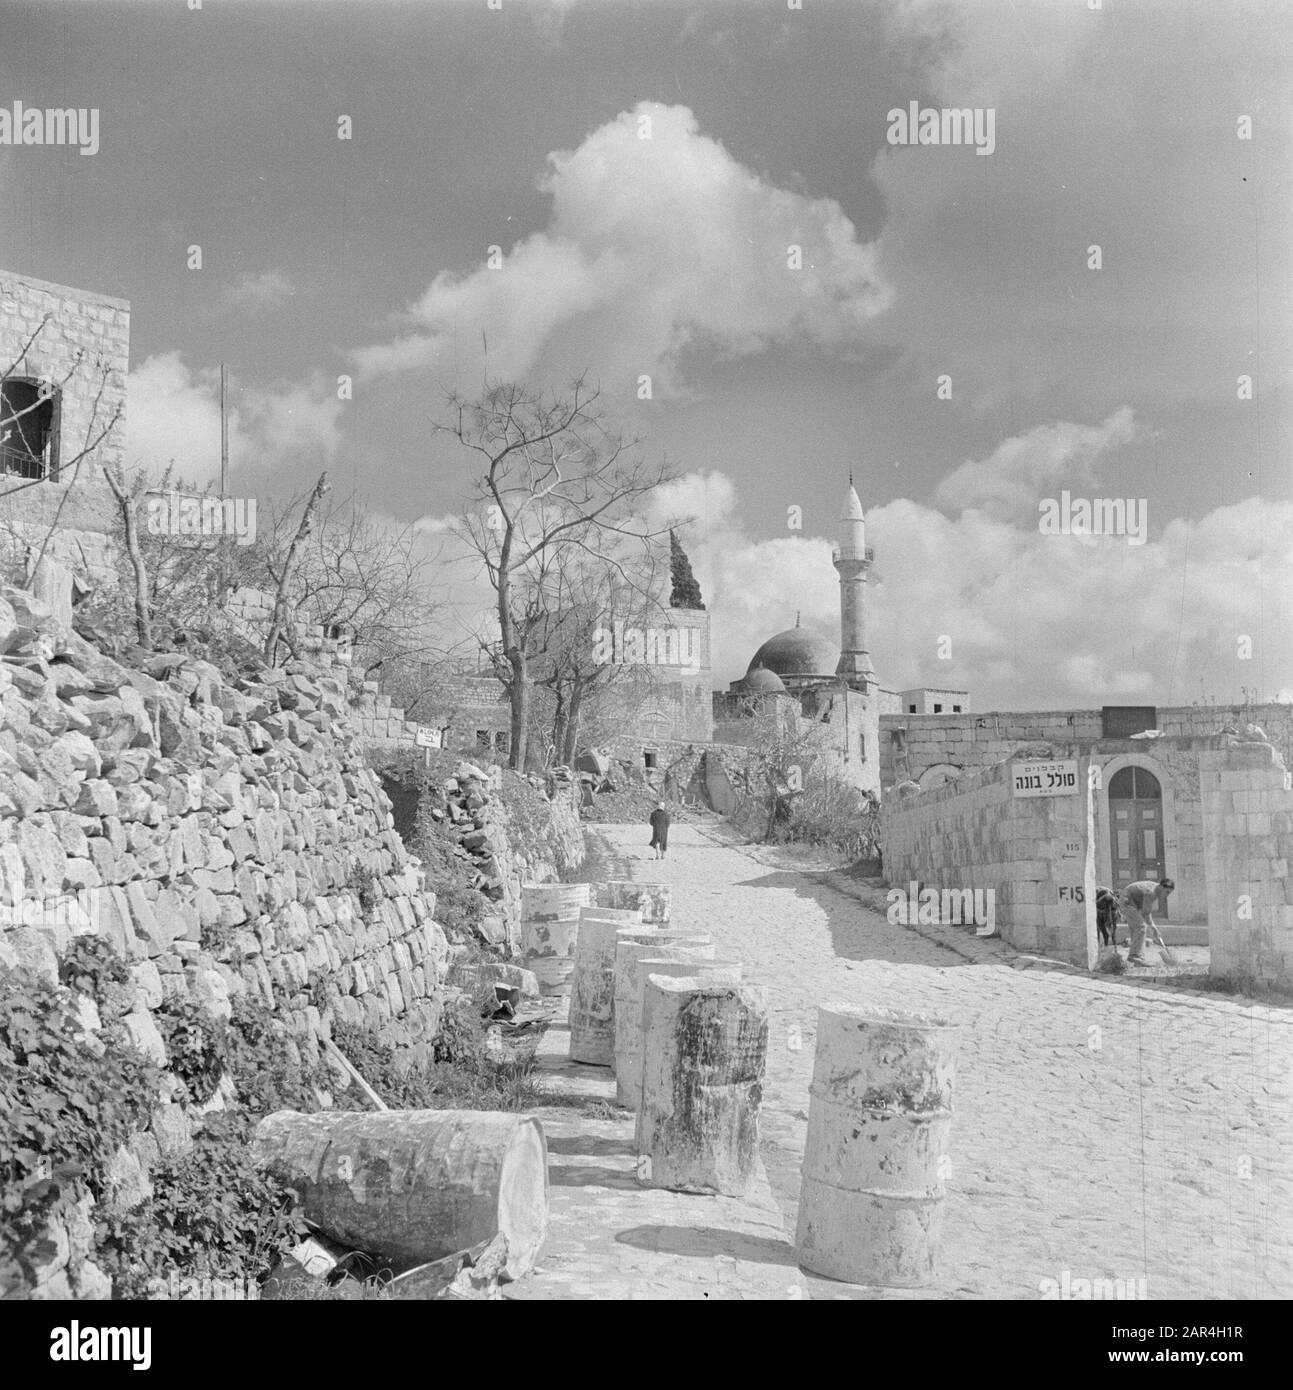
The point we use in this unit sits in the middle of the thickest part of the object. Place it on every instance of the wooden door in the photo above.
(1136, 829)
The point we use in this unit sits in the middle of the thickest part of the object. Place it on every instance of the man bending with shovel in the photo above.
(1137, 902)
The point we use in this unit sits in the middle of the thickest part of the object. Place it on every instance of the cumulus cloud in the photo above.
(1010, 481)
(655, 246)
(252, 293)
(173, 416)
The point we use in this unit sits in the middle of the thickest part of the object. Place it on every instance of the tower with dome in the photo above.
(831, 683)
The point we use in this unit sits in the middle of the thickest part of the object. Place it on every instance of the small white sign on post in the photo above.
(427, 738)
(1044, 779)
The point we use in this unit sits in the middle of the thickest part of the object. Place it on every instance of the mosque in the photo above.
(830, 684)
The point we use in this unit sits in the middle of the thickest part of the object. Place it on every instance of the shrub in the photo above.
(67, 1103)
(834, 815)
(212, 1214)
(461, 1075)
(363, 884)
(89, 963)
(196, 1046)
(267, 1073)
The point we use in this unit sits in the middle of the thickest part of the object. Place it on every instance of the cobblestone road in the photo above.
(1113, 1130)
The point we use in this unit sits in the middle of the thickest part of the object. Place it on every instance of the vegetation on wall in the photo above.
(68, 1100)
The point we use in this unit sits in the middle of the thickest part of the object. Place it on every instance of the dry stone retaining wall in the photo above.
(225, 836)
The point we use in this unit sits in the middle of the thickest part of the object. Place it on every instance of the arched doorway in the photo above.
(1136, 844)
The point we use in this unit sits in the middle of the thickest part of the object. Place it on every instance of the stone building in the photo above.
(658, 700)
(803, 673)
(64, 353)
(1212, 810)
(1148, 791)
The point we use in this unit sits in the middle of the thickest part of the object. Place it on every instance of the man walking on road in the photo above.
(1137, 903)
(659, 830)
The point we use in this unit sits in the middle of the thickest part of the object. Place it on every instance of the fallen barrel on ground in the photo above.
(411, 1186)
(704, 1049)
(549, 925)
(879, 1116)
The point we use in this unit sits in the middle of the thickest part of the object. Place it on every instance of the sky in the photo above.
(949, 336)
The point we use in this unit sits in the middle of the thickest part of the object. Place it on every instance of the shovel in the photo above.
(1167, 955)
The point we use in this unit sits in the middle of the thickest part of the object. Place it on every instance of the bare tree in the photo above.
(590, 598)
(172, 585)
(557, 476)
(357, 572)
(127, 505)
(282, 624)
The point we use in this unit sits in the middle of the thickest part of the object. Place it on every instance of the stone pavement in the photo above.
(611, 1238)
(1103, 1126)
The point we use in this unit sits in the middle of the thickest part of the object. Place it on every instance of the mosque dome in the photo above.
(798, 654)
(760, 681)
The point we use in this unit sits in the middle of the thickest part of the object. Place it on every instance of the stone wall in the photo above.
(223, 836)
(1174, 761)
(1247, 797)
(1033, 853)
(83, 350)
(510, 828)
(380, 725)
(1228, 840)
(969, 741)
(74, 522)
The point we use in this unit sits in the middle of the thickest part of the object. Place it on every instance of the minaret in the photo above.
(852, 560)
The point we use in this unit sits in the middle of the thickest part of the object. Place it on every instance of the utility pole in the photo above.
(224, 434)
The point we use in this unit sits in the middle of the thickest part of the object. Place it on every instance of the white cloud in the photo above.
(251, 293)
(173, 415)
(1009, 483)
(655, 246)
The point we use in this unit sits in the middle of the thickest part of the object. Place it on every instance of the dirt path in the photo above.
(1103, 1129)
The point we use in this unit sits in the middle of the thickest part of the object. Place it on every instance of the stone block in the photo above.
(146, 926)
(143, 1033)
(1022, 935)
(34, 949)
(146, 983)
(127, 1183)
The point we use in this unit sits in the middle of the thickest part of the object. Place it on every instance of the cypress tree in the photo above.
(685, 591)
